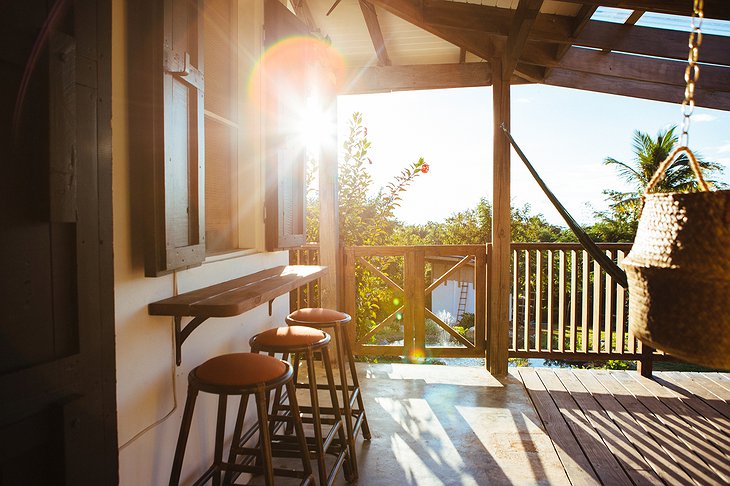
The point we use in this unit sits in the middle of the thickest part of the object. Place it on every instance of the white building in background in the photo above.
(456, 295)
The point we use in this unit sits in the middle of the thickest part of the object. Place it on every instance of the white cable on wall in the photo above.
(174, 380)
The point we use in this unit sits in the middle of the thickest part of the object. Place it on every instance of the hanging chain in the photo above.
(692, 72)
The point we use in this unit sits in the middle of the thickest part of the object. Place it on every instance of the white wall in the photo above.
(150, 388)
(446, 297)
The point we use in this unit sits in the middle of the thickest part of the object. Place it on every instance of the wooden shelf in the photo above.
(232, 298)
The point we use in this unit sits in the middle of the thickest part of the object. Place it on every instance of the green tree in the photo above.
(648, 154)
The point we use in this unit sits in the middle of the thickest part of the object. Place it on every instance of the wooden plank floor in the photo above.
(616, 427)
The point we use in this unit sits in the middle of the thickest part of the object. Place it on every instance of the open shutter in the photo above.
(167, 130)
(286, 92)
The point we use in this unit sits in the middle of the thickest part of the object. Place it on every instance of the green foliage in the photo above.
(467, 320)
(620, 221)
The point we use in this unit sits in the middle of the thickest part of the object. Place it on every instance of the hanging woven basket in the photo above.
(679, 272)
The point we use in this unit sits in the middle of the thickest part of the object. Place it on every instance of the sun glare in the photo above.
(316, 127)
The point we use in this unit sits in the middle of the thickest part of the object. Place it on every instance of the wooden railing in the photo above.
(564, 305)
(306, 295)
(388, 289)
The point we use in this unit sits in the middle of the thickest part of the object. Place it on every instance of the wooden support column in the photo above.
(329, 225)
(500, 279)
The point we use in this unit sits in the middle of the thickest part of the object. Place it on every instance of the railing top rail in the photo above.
(567, 246)
(440, 250)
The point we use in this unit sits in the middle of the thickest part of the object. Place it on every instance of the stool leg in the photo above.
(344, 444)
(240, 419)
(316, 419)
(346, 400)
(183, 436)
(220, 430)
(295, 358)
(264, 436)
(356, 382)
(291, 390)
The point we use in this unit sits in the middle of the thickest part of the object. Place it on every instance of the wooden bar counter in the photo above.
(231, 298)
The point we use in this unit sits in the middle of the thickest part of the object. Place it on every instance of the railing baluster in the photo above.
(515, 296)
(561, 301)
(550, 305)
(526, 330)
(538, 299)
(573, 297)
(620, 302)
(608, 324)
(584, 304)
(596, 307)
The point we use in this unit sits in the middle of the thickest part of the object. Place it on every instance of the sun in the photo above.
(316, 126)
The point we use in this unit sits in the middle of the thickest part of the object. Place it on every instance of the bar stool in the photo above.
(328, 319)
(296, 340)
(243, 374)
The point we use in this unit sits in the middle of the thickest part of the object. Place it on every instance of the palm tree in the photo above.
(649, 153)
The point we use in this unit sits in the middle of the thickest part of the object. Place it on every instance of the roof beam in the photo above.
(384, 79)
(635, 89)
(627, 66)
(566, 31)
(376, 34)
(581, 20)
(411, 11)
(301, 9)
(524, 17)
(652, 42)
(713, 9)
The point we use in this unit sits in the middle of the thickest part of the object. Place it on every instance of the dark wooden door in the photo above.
(57, 365)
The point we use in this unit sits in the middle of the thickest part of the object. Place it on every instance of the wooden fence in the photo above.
(563, 305)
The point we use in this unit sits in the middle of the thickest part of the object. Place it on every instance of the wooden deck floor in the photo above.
(616, 428)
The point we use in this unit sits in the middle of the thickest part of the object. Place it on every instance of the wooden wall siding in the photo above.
(57, 352)
(616, 427)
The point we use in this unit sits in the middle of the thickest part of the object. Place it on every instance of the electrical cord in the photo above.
(174, 381)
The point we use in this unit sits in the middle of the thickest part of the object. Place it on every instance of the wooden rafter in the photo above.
(581, 20)
(714, 9)
(626, 66)
(411, 11)
(638, 89)
(376, 33)
(567, 31)
(383, 79)
(522, 21)
(301, 9)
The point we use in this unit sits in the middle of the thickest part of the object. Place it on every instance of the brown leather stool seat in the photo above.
(337, 322)
(244, 374)
(294, 341)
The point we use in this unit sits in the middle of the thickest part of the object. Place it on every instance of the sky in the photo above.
(566, 134)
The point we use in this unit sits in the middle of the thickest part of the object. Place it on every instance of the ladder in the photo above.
(464, 286)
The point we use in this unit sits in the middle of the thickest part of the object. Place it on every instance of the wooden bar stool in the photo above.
(293, 341)
(243, 374)
(355, 418)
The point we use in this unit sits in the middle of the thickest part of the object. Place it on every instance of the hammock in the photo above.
(586, 242)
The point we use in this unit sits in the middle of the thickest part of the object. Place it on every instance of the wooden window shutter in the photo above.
(286, 93)
(167, 135)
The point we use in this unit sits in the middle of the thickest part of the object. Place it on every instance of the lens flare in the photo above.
(396, 301)
(418, 355)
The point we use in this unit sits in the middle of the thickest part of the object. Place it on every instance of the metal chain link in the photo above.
(692, 72)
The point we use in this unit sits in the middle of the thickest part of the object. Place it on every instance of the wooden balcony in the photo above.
(563, 305)
(459, 425)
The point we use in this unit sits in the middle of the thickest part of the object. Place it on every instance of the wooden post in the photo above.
(645, 366)
(329, 226)
(498, 322)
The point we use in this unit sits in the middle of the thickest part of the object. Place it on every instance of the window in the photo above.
(196, 138)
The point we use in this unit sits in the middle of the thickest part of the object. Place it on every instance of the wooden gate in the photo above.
(391, 291)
